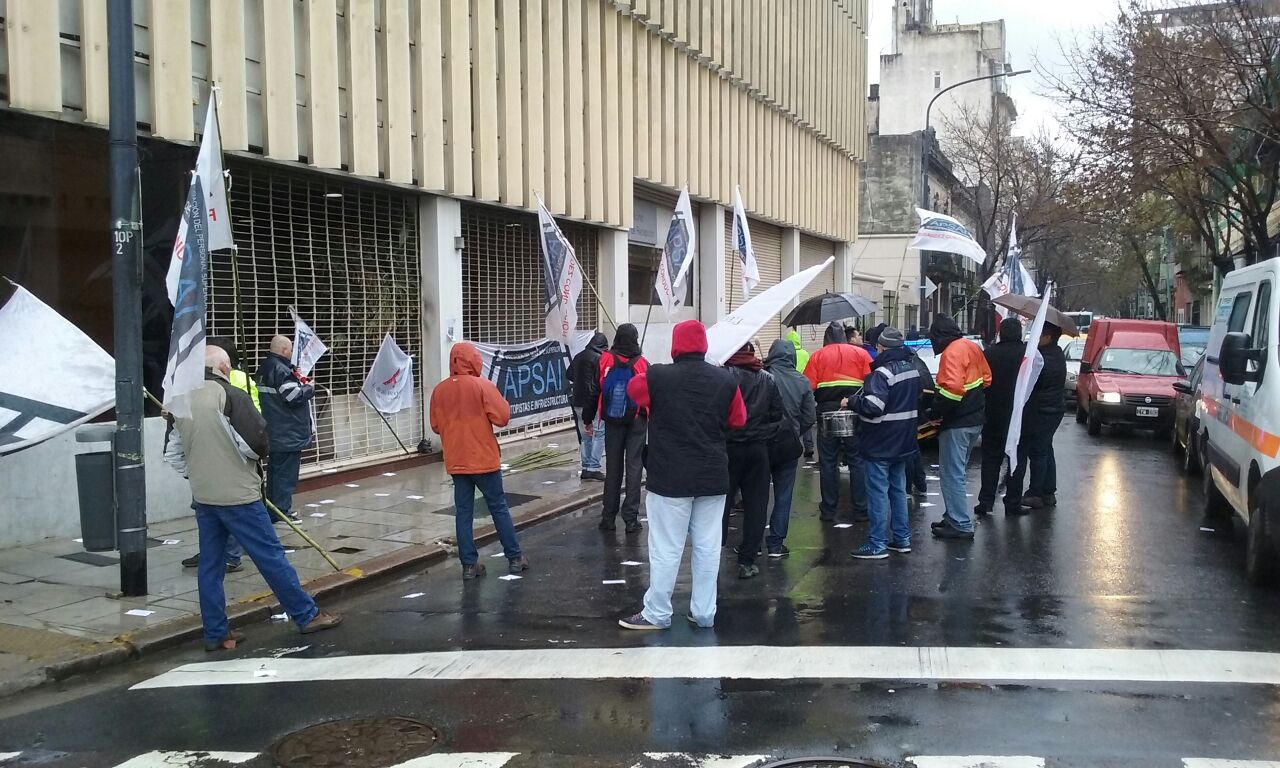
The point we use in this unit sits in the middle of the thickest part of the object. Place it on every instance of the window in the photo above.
(1140, 362)
(1261, 338)
(642, 269)
(937, 79)
(1239, 311)
(890, 304)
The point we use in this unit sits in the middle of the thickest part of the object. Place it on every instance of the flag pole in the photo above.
(649, 313)
(729, 286)
(388, 423)
(241, 339)
(599, 300)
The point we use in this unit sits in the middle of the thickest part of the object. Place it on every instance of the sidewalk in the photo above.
(60, 609)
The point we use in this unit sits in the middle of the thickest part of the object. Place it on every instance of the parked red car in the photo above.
(1127, 375)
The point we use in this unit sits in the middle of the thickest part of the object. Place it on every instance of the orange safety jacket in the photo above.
(963, 374)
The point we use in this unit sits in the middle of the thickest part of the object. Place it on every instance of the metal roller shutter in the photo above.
(346, 256)
(502, 278)
(767, 241)
(814, 251)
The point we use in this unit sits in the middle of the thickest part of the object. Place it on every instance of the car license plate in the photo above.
(1149, 412)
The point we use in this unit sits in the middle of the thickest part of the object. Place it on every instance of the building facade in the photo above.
(386, 158)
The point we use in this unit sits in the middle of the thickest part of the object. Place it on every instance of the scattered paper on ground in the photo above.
(319, 514)
(279, 617)
(930, 477)
(327, 501)
(509, 577)
(631, 562)
(139, 612)
(414, 497)
(388, 474)
(844, 525)
(413, 595)
(928, 504)
(172, 541)
(381, 494)
(351, 485)
(614, 581)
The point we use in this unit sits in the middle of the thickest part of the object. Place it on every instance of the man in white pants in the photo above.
(691, 405)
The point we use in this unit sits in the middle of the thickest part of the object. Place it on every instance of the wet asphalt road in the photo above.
(1122, 563)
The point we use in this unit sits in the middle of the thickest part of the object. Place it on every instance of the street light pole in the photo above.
(926, 154)
(126, 271)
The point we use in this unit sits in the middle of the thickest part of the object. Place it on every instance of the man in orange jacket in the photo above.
(836, 373)
(464, 410)
(961, 403)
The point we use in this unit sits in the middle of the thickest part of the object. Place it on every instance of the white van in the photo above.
(1240, 391)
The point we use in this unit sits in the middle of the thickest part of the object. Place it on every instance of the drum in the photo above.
(838, 423)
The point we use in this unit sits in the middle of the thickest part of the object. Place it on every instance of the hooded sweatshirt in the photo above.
(797, 396)
(963, 374)
(692, 405)
(625, 351)
(837, 370)
(1004, 358)
(583, 370)
(760, 394)
(802, 354)
(464, 410)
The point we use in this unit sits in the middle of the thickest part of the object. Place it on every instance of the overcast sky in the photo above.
(1033, 28)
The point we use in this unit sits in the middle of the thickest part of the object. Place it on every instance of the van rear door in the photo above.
(1230, 450)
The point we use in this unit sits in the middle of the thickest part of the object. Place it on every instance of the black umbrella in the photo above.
(823, 309)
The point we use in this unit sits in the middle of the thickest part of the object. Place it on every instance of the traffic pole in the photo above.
(126, 263)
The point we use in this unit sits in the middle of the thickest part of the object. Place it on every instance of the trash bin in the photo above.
(95, 486)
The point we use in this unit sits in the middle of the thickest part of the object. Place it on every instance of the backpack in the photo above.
(616, 404)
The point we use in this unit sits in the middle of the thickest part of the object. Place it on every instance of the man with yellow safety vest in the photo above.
(961, 404)
(836, 373)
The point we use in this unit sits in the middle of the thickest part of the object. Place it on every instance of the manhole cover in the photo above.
(373, 742)
(823, 762)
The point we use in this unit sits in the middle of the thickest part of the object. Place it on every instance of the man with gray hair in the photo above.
(285, 395)
(219, 448)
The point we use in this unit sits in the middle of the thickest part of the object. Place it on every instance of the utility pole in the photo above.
(926, 154)
(126, 269)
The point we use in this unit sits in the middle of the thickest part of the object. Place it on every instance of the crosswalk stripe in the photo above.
(460, 760)
(185, 759)
(1206, 762)
(747, 662)
(721, 761)
(976, 761)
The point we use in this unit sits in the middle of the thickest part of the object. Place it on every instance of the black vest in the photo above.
(688, 418)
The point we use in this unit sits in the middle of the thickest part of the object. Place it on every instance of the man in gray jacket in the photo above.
(785, 449)
(219, 449)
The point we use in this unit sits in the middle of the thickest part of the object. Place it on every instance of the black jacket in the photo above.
(1004, 358)
(1046, 405)
(284, 399)
(764, 406)
(584, 372)
(689, 405)
(793, 387)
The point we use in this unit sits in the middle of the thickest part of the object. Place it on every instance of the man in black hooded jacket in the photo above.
(1040, 419)
(584, 374)
(1004, 357)
(748, 450)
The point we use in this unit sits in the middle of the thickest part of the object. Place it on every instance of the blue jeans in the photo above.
(235, 552)
(464, 501)
(1044, 467)
(592, 448)
(282, 478)
(784, 486)
(955, 444)
(829, 449)
(251, 525)
(887, 501)
(672, 521)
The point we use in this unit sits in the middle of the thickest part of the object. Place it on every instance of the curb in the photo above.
(254, 610)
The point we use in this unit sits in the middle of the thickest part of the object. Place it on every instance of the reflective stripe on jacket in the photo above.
(835, 372)
(963, 374)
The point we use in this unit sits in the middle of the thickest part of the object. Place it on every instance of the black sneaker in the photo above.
(748, 571)
(470, 572)
(781, 551)
(235, 567)
(607, 525)
(634, 527)
(518, 564)
(1016, 510)
(293, 518)
(860, 517)
(936, 524)
(591, 474)
(981, 511)
(949, 531)
(192, 562)
(901, 548)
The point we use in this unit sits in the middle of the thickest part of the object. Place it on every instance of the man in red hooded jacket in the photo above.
(692, 404)
(464, 410)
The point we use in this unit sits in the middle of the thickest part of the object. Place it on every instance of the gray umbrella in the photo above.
(828, 307)
(1028, 306)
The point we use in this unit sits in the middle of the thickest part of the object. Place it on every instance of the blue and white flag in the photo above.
(939, 232)
(1028, 374)
(185, 281)
(561, 279)
(677, 255)
(1011, 276)
(742, 244)
(307, 346)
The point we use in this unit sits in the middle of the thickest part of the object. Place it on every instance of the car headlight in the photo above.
(1109, 397)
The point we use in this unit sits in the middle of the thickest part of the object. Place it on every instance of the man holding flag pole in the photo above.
(1038, 408)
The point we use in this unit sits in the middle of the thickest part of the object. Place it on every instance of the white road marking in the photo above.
(755, 663)
(460, 760)
(1208, 762)
(977, 761)
(721, 761)
(7, 756)
(180, 759)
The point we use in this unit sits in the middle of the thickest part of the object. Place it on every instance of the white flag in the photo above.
(389, 385)
(727, 336)
(184, 372)
(742, 244)
(307, 346)
(54, 377)
(677, 255)
(209, 169)
(1011, 276)
(939, 232)
(561, 279)
(1028, 373)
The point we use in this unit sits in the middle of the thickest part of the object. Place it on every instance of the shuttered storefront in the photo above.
(814, 251)
(346, 256)
(502, 277)
(766, 239)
